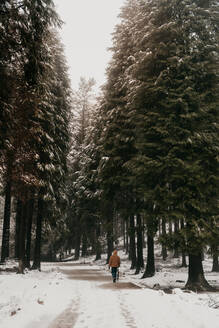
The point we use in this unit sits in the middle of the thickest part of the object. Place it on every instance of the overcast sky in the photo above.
(86, 36)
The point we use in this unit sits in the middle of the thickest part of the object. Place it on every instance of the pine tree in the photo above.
(53, 140)
(36, 107)
(140, 260)
(173, 98)
(9, 78)
(117, 141)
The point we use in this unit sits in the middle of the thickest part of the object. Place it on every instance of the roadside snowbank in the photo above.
(35, 297)
(171, 278)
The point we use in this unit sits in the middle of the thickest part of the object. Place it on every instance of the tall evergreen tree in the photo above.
(117, 141)
(53, 140)
(173, 98)
(36, 134)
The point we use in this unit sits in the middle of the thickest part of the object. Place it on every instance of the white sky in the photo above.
(86, 36)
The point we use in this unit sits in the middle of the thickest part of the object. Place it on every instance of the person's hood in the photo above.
(115, 252)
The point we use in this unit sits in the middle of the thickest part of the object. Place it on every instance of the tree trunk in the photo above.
(98, 251)
(143, 234)
(22, 235)
(127, 244)
(93, 241)
(140, 260)
(17, 227)
(150, 267)
(6, 222)
(184, 264)
(84, 245)
(77, 244)
(77, 238)
(170, 227)
(98, 244)
(159, 228)
(132, 241)
(37, 250)
(164, 249)
(196, 280)
(127, 237)
(124, 234)
(215, 267)
(30, 211)
(109, 241)
(115, 227)
(176, 246)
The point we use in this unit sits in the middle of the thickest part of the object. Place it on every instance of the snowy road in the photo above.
(98, 302)
(74, 295)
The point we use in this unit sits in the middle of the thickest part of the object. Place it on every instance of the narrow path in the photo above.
(97, 301)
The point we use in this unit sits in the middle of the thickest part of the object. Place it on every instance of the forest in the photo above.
(82, 174)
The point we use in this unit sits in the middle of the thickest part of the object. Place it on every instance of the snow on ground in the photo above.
(33, 297)
(84, 295)
(169, 273)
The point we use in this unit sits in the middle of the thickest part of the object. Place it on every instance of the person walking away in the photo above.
(114, 263)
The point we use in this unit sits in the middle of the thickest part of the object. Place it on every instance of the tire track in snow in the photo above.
(67, 318)
(129, 314)
(98, 309)
(129, 318)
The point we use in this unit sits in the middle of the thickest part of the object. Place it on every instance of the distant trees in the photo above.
(82, 164)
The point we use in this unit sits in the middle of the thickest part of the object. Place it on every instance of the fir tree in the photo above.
(36, 108)
(173, 100)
